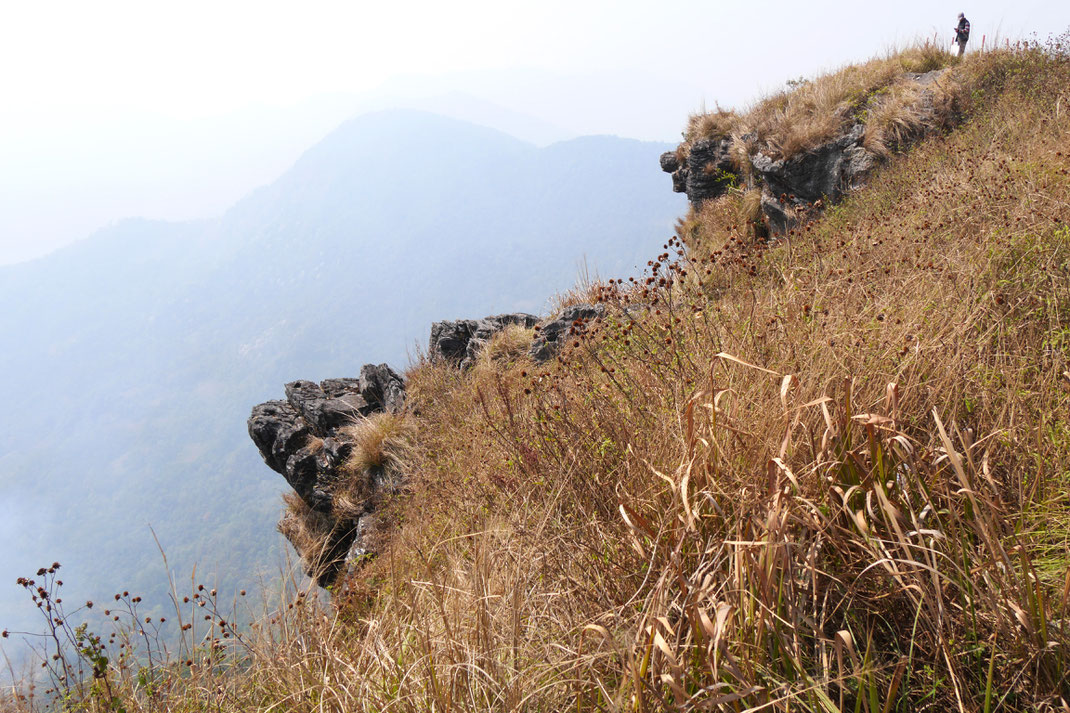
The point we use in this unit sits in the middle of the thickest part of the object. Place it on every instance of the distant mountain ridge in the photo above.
(133, 356)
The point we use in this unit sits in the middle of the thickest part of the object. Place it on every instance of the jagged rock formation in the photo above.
(706, 171)
(306, 439)
(382, 387)
(301, 438)
(827, 172)
(460, 341)
(790, 187)
(553, 334)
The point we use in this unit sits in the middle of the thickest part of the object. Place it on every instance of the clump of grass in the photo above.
(716, 124)
(309, 531)
(379, 441)
(750, 209)
(907, 110)
(506, 347)
(742, 147)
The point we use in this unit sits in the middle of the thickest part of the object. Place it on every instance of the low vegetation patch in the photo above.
(379, 441)
(880, 93)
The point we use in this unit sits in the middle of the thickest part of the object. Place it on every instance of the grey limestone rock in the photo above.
(460, 341)
(553, 333)
(382, 387)
(926, 78)
(278, 430)
(780, 214)
(449, 340)
(823, 172)
(335, 388)
(670, 162)
(304, 473)
(336, 451)
(710, 171)
(343, 405)
(790, 187)
(707, 172)
(302, 438)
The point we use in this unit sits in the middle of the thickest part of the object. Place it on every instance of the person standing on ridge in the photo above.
(962, 33)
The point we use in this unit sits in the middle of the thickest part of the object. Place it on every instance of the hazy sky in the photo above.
(173, 110)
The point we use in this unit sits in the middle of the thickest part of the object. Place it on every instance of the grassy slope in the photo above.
(881, 93)
(828, 473)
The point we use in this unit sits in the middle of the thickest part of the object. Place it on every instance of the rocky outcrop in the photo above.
(460, 341)
(553, 334)
(706, 172)
(382, 387)
(825, 173)
(302, 438)
(325, 410)
(449, 340)
(792, 188)
(305, 437)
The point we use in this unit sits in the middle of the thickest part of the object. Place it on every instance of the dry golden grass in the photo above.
(307, 530)
(686, 526)
(586, 290)
(379, 441)
(508, 345)
(828, 474)
(907, 109)
(718, 123)
(743, 146)
(750, 209)
(816, 111)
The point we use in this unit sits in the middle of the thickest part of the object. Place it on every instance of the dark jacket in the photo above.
(962, 32)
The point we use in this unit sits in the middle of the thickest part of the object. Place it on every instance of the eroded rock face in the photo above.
(449, 340)
(278, 431)
(460, 341)
(328, 410)
(553, 334)
(301, 438)
(825, 173)
(791, 187)
(707, 172)
(381, 387)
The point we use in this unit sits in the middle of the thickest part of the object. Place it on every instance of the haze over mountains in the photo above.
(132, 358)
(64, 175)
